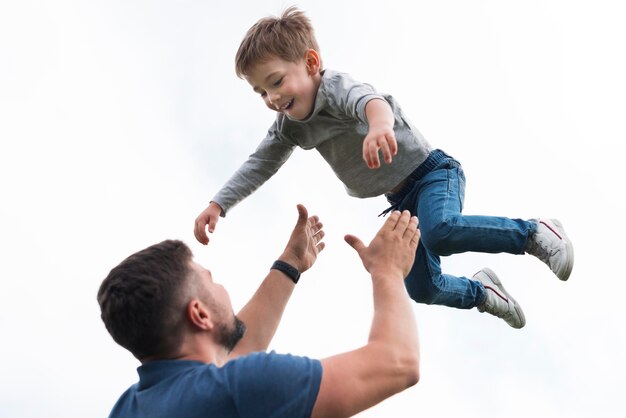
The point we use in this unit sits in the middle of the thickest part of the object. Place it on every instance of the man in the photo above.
(199, 359)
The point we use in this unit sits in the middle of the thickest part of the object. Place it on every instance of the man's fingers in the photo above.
(403, 221)
(391, 221)
(315, 224)
(412, 226)
(303, 213)
(411, 229)
(415, 239)
(354, 242)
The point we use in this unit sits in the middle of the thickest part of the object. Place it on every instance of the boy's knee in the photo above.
(424, 291)
(438, 239)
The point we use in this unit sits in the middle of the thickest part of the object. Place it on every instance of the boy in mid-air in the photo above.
(349, 123)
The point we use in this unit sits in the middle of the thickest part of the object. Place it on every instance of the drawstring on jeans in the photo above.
(389, 209)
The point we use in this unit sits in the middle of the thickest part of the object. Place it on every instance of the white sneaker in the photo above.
(552, 246)
(498, 302)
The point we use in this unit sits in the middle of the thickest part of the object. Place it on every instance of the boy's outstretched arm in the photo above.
(380, 135)
(209, 217)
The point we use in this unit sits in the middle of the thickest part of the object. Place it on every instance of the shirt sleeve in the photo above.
(350, 96)
(273, 385)
(269, 156)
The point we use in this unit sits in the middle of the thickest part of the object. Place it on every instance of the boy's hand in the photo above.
(383, 139)
(209, 217)
(380, 135)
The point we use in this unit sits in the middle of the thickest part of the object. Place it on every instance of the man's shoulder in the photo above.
(185, 389)
(267, 359)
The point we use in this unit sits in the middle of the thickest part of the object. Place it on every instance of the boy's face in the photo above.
(287, 87)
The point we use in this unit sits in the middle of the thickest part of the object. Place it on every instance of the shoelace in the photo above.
(539, 250)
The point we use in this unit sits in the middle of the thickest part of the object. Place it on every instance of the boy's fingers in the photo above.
(393, 145)
(373, 155)
(201, 236)
(386, 151)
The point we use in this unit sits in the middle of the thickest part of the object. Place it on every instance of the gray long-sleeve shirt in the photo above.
(336, 129)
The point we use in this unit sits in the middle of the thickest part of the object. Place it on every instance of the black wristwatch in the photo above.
(288, 269)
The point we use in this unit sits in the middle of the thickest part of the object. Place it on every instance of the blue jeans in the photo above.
(435, 192)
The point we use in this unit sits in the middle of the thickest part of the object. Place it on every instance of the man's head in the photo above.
(148, 302)
(279, 57)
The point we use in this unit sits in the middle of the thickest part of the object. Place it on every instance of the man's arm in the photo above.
(263, 312)
(389, 363)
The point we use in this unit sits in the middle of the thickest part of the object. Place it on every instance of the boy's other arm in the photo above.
(389, 363)
(380, 135)
(269, 156)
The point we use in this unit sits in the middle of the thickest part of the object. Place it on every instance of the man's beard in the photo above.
(228, 337)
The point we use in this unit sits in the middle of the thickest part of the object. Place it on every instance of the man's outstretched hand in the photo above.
(392, 251)
(305, 242)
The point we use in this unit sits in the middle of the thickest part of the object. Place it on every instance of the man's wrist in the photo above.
(287, 269)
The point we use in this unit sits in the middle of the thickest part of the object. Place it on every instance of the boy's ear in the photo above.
(312, 60)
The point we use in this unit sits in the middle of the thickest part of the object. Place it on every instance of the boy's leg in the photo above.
(437, 199)
(426, 284)
(445, 231)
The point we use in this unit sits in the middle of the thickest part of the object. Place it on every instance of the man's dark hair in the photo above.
(142, 299)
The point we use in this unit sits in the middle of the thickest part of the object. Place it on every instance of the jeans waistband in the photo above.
(433, 160)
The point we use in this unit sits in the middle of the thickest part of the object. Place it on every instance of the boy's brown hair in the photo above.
(287, 38)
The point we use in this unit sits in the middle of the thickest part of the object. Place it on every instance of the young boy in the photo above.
(347, 122)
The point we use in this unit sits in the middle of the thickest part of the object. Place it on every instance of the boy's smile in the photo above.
(287, 87)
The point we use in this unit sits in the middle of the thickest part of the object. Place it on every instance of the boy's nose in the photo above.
(274, 98)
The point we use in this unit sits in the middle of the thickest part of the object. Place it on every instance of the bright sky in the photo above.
(120, 119)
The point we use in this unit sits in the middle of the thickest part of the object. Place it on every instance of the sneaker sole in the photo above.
(518, 309)
(565, 273)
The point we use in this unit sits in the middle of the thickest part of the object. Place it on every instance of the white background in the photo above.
(119, 120)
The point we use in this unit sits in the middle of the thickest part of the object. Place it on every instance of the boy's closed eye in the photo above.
(277, 82)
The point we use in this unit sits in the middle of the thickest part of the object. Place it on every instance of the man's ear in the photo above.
(199, 315)
(313, 62)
